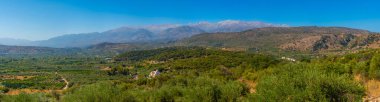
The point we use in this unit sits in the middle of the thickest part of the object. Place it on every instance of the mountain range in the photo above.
(165, 33)
(307, 39)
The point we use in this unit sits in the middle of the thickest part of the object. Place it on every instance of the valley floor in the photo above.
(191, 74)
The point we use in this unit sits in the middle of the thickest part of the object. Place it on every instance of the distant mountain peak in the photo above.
(248, 23)
(121, 29)
(161, 27)
(229, 22)
(233, 25)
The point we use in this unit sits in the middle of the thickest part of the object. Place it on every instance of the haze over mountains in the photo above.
(229, 35)
(11, 41)
(308, 39)
(169, 32)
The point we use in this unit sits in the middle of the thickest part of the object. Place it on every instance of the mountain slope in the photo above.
(83, 40)
(306, 39)
(180, 32)
(10, 41)
(12, 50)
(169, 32)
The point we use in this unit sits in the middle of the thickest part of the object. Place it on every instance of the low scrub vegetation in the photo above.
(200, 75)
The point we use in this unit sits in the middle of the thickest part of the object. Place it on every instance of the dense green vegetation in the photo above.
(192, 74)
(303, 82)
(39, 82)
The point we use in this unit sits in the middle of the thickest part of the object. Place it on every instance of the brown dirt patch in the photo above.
(303, 44)
(372, 88)
(106, 68)
(374, 45)
(233, 49)
(251, 85)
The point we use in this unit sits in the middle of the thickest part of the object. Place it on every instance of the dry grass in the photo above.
(374, 45)
(372, 88)
(28, 91)
(233, 49)
(31, 91)
(106, 68)
(251, 85)
(16, 77)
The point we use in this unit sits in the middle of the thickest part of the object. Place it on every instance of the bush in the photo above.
(99, 92)
(301, 82)
(200, 89)
(23, 97)
(374, 67)
(3, 89)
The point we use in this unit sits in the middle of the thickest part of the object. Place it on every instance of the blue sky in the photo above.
(42, 19)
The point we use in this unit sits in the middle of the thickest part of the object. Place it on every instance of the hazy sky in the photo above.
(42, 19)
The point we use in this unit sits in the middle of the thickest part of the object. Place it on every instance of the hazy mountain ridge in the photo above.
(180, 32)
(28, 50)
(169, 32)
(233, 26)
(11, 41)
(124, 35)
(303, 39)
(308, 39)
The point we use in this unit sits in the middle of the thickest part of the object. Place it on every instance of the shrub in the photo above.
(306, 83)
(3, 89)
(23, 97)
(99, 92)
(374, 67)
